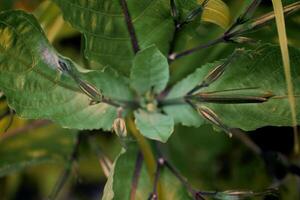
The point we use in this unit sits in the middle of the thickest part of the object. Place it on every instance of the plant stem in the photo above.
(243, 137)
(5, 114)
(136, 175)
(146, 152)
(183, 180)
(66, 173)
(130, 27)
(160, 164)
(144, 146)
(104, 161)
(280, 23)
(28, 127)
(175, 56)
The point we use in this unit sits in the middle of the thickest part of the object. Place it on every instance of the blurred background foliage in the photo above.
(39, 150)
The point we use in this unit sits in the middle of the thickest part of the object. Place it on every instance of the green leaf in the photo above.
(119, 182)
(45, 145)
(154, 125)
(118, 185)
(36, 88)
(106, 34)
(185, 114)
(150, 71)
(260, 69)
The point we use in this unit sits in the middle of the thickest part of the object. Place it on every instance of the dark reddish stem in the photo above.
(130, 27)
(136, 175)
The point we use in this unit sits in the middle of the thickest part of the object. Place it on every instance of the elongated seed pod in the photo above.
(227, 99)
(209, 115)
(216, 72)
(90, 90)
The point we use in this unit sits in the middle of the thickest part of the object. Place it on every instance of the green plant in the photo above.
(132, 50)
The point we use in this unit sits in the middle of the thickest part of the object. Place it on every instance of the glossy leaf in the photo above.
(44, 145)
(36, 87)
(154, 125)
(259, 69)
(150, 71)
(104, 27)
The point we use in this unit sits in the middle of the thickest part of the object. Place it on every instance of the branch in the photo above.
(234, 31)
(243, 137)
(175, 56)
(104, 161)
(5, 114)
(66, 173)
(145, 149)
(130, 27)
(160, 164)
(34, 125)
(136, 175)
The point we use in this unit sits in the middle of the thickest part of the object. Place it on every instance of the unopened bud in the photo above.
(242, 40)
(119, 127)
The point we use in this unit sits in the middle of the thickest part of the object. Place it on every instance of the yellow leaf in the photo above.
(279, 16)
(217, 12)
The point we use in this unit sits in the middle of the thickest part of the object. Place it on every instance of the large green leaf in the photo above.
(260, 69)
(49, 144)
(154, 125)
(36, 88)
(150, 71)
(105, 31)
(119, 182)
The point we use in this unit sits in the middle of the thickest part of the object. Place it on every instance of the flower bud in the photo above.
(119, 127)
(243, 40)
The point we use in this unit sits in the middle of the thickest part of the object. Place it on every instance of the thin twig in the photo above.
(175, 56)
(67, 171)
(160, 164)
(136, 175)
(183, 180)
(5, 114)
(104, 161)
(231, 32)
(243, 137)
(34, 125)
(11, 120)
(130, 27)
